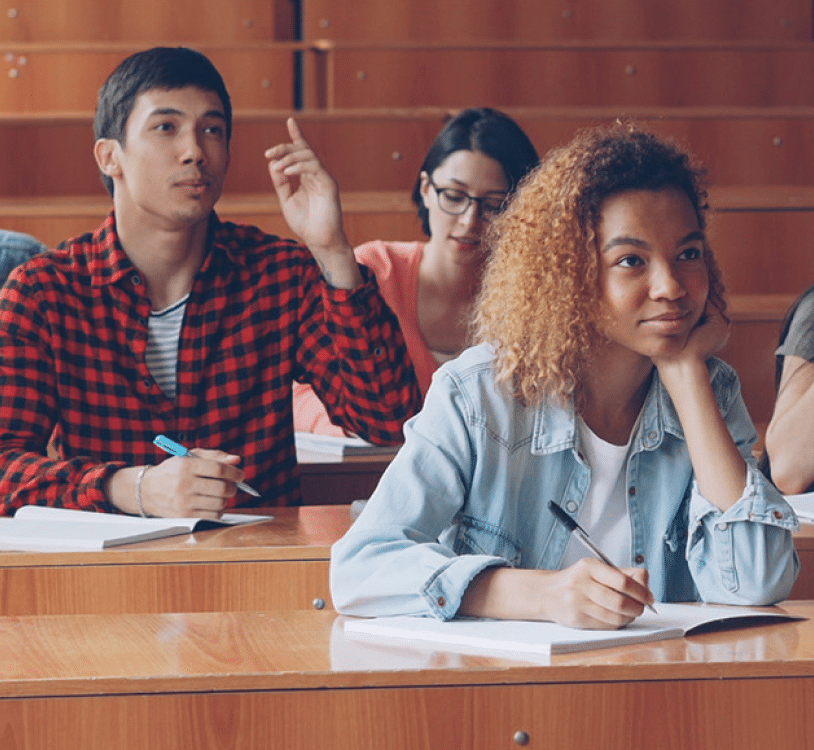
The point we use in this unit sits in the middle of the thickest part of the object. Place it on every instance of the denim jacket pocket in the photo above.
(476, 537)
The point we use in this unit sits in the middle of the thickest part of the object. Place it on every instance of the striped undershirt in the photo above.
(163, 332)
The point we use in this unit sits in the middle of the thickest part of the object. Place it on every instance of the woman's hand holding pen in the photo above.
(588, 594)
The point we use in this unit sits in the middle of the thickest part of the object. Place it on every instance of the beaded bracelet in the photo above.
(139, 477)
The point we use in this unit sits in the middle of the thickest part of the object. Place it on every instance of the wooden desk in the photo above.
(326, 479)
(293, 680)
(804, 541)
(282, 563)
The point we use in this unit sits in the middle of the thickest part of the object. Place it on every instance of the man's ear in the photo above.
(106, 151)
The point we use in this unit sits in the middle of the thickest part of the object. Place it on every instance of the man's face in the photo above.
(171, 169)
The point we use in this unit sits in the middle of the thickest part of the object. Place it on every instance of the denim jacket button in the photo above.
(723, 526)
(639, 559)
(571, 506)
(778, 515)
(441, 601)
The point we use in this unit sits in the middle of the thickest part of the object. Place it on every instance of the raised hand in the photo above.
(309, 199)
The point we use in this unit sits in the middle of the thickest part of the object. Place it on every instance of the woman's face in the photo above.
(653, 279)
(468, 173)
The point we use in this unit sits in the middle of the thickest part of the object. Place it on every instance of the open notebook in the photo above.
(803, 505)
(36, 527)
(521, 639)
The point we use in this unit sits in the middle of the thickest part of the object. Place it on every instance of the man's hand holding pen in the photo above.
(194, 486)
(195, 483)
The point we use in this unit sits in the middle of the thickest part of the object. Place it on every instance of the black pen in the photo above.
(582, 535)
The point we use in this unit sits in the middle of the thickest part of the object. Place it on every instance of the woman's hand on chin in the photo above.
(708, 337)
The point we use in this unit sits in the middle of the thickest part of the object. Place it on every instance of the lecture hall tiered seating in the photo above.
(372, 82)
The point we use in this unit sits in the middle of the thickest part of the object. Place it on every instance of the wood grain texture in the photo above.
(66, 78)
(279, 564)
(530, 20)
(402, 75)
(292, 679)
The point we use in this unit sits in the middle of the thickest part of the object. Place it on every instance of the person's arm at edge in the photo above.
(790, 435)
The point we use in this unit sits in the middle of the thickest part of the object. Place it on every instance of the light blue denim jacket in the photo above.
(15, 249)
(470, 489)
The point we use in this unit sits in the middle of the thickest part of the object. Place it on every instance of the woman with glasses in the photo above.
(593, 387)
(472, 167)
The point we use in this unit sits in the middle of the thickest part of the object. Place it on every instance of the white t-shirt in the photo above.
(603, 513)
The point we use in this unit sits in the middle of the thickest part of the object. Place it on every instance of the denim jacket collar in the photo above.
(555, 427)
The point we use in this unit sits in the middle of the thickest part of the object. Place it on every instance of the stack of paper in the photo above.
(335, 445)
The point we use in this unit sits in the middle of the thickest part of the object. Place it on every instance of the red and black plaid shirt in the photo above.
(73, 335)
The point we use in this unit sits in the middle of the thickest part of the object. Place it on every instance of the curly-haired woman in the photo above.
(594, 386)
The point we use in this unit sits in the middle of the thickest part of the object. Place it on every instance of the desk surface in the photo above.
(290, 533)
(280, 563)
(292, 679)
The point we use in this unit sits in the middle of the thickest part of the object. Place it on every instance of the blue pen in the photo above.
(176, 449)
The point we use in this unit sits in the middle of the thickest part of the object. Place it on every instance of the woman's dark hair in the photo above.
(486, 130)
(162, 68)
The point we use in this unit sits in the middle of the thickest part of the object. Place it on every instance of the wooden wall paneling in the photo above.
(368, 216)
(51, 154)
(149, 22)
(402, 75)
(737, 146)
(383, 149)
(368, 150)
(54, 219)
(764, 252)
(750, 350)
(48, 156)
(41, 78)
(533, 21)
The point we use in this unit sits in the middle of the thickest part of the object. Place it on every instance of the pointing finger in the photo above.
(294, 132)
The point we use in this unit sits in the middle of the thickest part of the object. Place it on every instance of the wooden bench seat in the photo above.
(535, 21)
(399, 74)
(762, 237)
(50, 153)
(66, 77)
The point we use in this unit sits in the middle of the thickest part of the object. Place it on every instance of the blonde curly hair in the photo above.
(539, 304)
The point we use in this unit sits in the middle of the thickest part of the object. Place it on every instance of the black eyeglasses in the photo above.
(456, 202)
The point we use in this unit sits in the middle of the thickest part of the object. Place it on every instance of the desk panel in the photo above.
(292, 680)
(277, 564)
(804, 542)
(326, 479)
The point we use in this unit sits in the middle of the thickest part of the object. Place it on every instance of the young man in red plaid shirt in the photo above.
(168, 321)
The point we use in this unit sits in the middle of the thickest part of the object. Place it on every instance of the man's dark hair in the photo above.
(163, 68)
